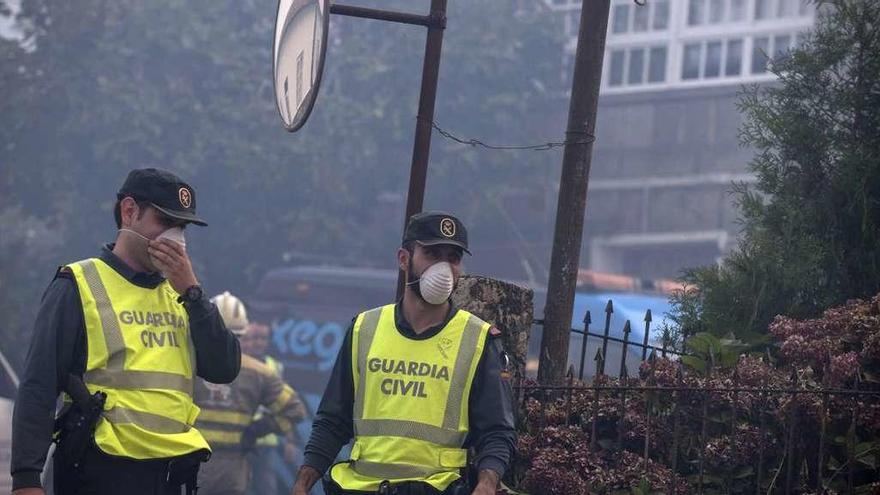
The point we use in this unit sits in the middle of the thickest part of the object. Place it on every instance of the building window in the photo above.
(787, 8)
(763, 47)
(630, 18)
(760, 49)
(657, 66)
(696, 12)
(707, 12)
(781, 9)
(661, 15)
(615, 76)
(621, 18)
(713, 60)
(690, 65)
(737, 10)
(781, 45)
(637, 66)
(705, 60)
(733, 67)
(763, 9)
(716, 11)
(710, 40)
(640, 18)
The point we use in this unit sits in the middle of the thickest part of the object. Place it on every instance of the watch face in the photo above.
(194, 293)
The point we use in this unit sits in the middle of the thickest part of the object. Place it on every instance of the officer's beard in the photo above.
(413, 282)
(139, 249)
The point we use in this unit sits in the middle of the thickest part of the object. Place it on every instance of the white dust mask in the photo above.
(175, 234)
(436, 283)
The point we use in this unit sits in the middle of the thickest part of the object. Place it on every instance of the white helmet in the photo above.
(232, 311)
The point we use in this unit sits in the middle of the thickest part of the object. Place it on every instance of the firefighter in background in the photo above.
(264, 480)
(227, 416)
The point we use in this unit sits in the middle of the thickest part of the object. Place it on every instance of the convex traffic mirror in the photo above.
(298, 57)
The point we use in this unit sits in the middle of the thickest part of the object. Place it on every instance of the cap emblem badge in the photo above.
(447, 227)
(185, 197)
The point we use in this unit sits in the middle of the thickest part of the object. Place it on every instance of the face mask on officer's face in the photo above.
(175, 234)
(142, 242)
(436, 283)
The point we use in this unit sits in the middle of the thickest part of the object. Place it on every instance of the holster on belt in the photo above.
(184, 470)
(75, 426)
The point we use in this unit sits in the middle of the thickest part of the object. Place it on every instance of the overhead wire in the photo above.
(516, 147)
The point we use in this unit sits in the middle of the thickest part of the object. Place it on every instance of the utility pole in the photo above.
(572, 200)
(424, 121)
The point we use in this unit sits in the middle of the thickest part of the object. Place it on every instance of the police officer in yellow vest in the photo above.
(132, 324)
(227, 418)
(416, 384)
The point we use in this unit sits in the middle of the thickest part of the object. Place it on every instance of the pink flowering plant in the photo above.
(718, 418)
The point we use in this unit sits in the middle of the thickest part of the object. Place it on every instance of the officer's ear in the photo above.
(403, 257)
(128, 211)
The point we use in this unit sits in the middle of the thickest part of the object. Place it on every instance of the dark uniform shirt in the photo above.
(492, 433)
(58, 348)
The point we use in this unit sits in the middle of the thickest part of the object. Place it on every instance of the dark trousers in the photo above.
(101, 474)
(407, 488)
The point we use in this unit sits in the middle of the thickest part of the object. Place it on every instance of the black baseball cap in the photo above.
(165, 191)
(432, 228)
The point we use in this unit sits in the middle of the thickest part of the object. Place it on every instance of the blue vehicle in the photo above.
(630, 307)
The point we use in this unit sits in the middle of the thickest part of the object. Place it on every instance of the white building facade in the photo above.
(667, 146)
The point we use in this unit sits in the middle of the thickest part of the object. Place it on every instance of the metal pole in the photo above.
(573, 189)
(381, 15)
(422, 145)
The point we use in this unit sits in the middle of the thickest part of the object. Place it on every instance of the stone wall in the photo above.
(507, 306)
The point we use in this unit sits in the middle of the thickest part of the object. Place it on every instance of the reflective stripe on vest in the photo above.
(393, 471)
(222, 439)
(154, 422)
(410, 417)
(408, 429)
(136, 380)
(228, 417)
(141, 355)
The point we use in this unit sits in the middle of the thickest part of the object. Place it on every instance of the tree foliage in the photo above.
(811, 223)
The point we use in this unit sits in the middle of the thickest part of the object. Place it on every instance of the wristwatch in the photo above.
(192, 294)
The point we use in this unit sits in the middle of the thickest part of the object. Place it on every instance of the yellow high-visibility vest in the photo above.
(411, 401)
(140, 353)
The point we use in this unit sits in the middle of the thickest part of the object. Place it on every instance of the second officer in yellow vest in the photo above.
(227, 418)
(415, 384)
